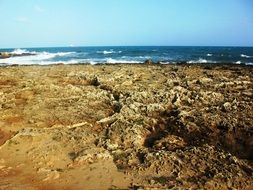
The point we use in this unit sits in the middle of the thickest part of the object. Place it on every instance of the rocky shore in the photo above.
(4, 55)
(126, 127)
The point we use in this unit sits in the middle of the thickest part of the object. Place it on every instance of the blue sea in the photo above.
(130, 54)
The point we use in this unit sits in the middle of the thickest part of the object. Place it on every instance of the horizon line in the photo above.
(68, 46)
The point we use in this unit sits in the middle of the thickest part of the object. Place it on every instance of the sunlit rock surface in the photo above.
(126, 127)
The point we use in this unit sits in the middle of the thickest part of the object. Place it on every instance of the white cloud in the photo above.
(39, 8)
(22, 19)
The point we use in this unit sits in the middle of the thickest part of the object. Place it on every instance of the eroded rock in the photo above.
(126, 126)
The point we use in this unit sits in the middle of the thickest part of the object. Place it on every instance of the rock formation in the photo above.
(126, 127)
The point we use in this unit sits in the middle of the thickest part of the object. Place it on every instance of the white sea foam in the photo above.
(72, 61)
(22, 51)
(245, 56)
(144, 57)
(209, 54)
(240, 62)
(46, 58)
(165, 62)
(201, 61)
(37, 58)
(109, 52)
(113, 61)
(62, 53)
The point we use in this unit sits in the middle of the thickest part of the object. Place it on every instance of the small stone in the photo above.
(171, 143)
(152, 182)
(94, 81)
(227, 106)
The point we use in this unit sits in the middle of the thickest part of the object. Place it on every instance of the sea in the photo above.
(130, 54)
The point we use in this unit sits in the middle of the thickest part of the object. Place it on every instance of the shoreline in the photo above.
(137, 64)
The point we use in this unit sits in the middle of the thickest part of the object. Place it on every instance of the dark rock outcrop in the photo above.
(148, 62)
(4, 55)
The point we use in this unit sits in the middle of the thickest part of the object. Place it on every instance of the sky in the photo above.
(51, 23)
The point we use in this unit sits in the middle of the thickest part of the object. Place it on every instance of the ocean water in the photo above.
(133, 54)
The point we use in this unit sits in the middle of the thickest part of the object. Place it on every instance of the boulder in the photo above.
(148, 62)
(4, 55)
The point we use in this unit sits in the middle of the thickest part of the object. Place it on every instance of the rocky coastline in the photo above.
(126, 126)
(5, 55)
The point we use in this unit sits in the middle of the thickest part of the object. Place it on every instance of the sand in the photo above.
(126, 127)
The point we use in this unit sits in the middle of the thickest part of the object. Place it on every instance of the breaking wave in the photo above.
(112, 55)
(113, 61)
(201, 61)
(245, 56)
(22, 51)
(33, 57)
(108, 52)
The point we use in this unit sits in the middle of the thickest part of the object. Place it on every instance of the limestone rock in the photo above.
(170, 142)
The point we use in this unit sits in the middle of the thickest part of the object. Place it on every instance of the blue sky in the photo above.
(43, 23)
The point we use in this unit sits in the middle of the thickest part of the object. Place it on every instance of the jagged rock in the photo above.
(4, 55)
(227, 106)
(148, 62)
(123, 126)
(108, 120)
(94, 81)
(170, 142)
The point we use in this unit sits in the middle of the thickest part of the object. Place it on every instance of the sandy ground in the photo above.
(126, 127)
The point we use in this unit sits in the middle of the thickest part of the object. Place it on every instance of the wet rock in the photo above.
(4, 55)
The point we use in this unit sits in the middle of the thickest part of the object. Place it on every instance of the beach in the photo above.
(126, 126)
